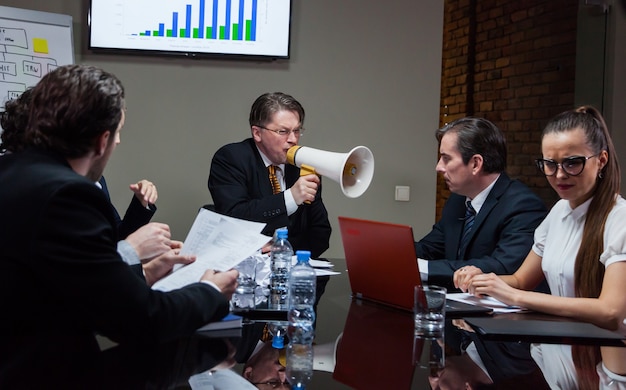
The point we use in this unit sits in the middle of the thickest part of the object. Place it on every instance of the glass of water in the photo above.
(430, 310)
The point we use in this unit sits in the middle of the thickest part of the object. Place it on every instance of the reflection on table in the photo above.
(359, 345)
(379, 350)
(368, 345)
(162, 366)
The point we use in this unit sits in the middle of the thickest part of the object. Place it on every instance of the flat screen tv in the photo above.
(193, 28)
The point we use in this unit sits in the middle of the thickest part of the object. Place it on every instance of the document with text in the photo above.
(218, 242)
(490, 302)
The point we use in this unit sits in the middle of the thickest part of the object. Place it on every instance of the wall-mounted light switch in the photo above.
(403, 193)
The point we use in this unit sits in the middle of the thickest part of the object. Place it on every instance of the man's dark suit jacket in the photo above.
(62, 280)
(508, 362)
(240, 187)
(500, 239)
(135, 217)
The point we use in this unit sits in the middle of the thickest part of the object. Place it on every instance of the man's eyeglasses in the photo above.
(572, 166)
(283, 132)
(274, 384)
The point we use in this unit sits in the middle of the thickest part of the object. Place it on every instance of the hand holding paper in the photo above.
(219, 243)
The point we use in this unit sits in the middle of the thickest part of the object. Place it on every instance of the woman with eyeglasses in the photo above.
(580, 249)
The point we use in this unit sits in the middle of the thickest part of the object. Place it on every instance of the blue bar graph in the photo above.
(174, 24)
(188, 22)
(227, 24)
(253, 21)
(214, 25)
(240, 25)
(202, 21)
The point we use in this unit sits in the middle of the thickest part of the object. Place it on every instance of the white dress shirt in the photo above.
(290, 203)
(557, 240)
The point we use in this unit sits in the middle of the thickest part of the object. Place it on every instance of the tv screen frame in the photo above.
(187, 28)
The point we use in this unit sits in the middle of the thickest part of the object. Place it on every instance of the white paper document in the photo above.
(321, 267)
(325, 272)
(219, 242)
(490, 302)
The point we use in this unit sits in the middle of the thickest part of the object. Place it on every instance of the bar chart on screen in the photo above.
(246, 27)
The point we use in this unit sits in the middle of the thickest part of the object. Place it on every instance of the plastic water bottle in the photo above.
(281, 253)
(299, 365)
(278, 329)
(301, 317)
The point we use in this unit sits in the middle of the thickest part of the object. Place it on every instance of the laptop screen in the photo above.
(382, 265)
(381, 261)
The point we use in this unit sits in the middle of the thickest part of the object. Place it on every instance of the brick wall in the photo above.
(512, 62)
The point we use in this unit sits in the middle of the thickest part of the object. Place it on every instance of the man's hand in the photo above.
(226, 281)
(152, 239)
(267, 248)
(145, 191)
(464, 275)
(162, 265)
(305, 188)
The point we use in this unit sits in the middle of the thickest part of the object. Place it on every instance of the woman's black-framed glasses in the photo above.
(572, 166)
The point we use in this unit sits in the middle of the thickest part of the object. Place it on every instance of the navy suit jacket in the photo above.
(240, 187)
(62, 280)
(135, 217)
(500, 239)
(508, 362)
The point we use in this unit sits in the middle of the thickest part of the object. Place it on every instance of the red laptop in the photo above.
(382, 264)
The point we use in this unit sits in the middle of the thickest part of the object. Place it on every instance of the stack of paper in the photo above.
(219, 242)
(321, 267)
(490, 302)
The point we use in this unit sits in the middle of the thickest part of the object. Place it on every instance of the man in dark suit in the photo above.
(140, 210)
(139, 240)
(241, 187)
(61, 278)
(496, 233)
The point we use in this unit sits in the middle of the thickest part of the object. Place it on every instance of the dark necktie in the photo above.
(274, 179)
(470, 214)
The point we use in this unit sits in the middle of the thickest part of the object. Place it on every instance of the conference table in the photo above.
(359, 345)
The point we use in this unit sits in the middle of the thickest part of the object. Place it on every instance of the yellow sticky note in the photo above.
(40, 45)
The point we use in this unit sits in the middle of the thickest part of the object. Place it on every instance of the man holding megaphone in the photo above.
(251, 179)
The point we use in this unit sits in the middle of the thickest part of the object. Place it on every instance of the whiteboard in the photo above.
(32, 43)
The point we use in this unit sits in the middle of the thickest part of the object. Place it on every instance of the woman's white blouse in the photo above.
(558, 238)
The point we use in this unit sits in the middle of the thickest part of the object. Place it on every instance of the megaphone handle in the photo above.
(307, 170)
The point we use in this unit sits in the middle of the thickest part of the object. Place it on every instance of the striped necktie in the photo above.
(470, 214)
(274, 179)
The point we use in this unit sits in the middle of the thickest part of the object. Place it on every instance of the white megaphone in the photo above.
(353, 170)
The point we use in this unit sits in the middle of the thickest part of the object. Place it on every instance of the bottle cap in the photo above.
(303, 255)
(281, 233)
(278, 342)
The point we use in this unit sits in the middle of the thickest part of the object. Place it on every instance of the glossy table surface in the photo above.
(371, 346)
(375, 348)
(359, 345)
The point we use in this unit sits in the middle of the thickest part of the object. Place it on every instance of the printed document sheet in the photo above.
(490, 302)
(219, 242)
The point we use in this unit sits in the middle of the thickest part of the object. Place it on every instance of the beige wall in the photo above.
(366, 71)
